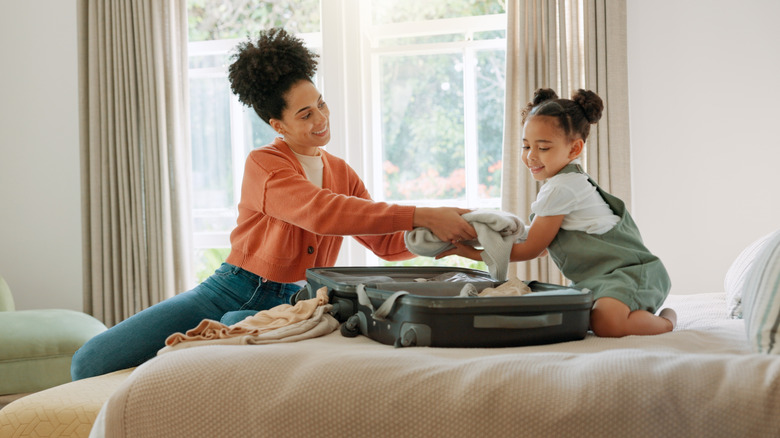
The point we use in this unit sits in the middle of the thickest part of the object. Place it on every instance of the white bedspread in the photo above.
(699, 381)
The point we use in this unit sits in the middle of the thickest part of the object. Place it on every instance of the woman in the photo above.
(297, 200)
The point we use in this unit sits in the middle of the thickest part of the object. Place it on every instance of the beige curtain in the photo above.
(134, 122)
(565, 45)
(608, 159)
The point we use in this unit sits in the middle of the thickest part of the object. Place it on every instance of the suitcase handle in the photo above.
(518, 322)
(383, 310)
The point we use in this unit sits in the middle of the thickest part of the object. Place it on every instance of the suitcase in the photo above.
(420, 306)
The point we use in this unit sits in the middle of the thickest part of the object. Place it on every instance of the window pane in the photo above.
(208, 61)
(490, 119)
(225, 19)
(208, 260)
(212, 167)
(399, 11)
(427, 39)
(422, 126)
(257, 133)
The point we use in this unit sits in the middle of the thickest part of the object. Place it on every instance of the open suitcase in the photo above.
(421, 306)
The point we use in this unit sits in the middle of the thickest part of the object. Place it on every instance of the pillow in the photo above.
(761, 297)
(734, 283)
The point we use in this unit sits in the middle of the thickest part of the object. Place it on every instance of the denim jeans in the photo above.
(230, 292)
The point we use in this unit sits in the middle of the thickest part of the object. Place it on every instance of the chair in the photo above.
(36, 346)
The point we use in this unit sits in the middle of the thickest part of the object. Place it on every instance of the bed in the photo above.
(716, 375)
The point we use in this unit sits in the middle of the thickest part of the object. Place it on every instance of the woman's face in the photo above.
(305, 122)
(546, 149)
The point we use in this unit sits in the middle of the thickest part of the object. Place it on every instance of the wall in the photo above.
(704, 107)
(40, 203)
(704, 103)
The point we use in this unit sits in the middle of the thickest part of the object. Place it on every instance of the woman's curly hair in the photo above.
(574, 115)
(263, 71)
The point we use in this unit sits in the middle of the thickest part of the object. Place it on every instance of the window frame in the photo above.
(353, 39)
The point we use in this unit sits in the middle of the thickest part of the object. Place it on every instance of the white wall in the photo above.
(704, 96)
(40, 203)
(704, 105)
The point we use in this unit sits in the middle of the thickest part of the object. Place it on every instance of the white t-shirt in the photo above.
(572, 195)
(312, 167)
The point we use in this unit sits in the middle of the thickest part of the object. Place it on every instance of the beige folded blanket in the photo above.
(283, 323)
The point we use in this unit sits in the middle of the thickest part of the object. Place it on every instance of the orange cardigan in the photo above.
(286, 224)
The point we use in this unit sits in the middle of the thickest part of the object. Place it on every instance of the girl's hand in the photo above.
(466, 251)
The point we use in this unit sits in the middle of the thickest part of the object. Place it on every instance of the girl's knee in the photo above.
(609, 318)
(606, 326)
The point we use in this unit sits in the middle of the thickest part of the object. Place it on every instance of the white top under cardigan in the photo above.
(572, 195)
(312, 167)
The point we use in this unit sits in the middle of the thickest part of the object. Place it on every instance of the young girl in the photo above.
(588, 232)
(297, 201)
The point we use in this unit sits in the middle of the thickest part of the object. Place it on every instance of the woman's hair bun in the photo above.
(264, 69)
(543, 95)
(591, 104)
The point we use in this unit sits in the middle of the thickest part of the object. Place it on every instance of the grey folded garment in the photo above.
(513, 287)
(496, 230)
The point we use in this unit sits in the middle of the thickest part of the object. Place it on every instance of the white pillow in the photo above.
(734, 283)
(761, 297)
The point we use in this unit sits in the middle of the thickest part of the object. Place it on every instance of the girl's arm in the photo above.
(540, 235)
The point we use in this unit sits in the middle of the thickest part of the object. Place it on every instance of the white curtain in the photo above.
(565, 45)
(135, 146)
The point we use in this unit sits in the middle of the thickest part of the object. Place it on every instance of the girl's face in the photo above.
(546, 149)
(305, 122)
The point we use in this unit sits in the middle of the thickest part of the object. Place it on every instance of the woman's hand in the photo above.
(462, 250)
(446, 223)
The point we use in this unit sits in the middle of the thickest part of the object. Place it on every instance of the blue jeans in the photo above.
(230, 292)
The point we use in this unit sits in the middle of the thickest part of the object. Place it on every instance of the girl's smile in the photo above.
(546, 150)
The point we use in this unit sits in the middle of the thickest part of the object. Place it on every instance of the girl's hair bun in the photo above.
(574, 116)
(591, 104)
(543, 95)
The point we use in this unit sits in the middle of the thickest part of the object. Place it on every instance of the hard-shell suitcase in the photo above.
(421, 306)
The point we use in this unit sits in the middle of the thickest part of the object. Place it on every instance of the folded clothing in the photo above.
(283, 323)
(496, 230)
(512, 287)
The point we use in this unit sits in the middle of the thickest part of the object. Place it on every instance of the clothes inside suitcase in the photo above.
(420, 306)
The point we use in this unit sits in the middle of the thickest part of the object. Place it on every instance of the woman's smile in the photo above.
(322, 132)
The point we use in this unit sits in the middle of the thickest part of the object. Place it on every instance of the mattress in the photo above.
(700, 380)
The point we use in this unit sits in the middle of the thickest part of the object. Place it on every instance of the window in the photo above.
(416, 96)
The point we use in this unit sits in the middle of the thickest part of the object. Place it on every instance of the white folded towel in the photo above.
(496, 230)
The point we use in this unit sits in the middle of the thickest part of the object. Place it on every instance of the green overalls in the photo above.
(615, 264)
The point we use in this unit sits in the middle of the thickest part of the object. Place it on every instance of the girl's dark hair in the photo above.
(263, 71)
(574, 116)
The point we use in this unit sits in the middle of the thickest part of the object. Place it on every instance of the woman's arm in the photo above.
(390, 247)
(272, 185)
